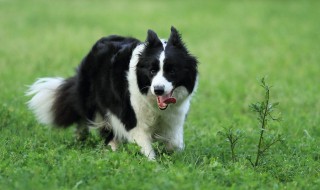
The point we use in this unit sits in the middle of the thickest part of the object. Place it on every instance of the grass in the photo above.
(237, 43)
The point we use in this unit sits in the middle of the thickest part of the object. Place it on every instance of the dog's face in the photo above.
(164, 67)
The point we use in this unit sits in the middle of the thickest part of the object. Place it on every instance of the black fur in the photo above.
(99, 85)
(149, 62)
(179, 66)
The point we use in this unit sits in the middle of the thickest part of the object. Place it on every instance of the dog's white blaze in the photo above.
(44, 90)
(164, 43)
(159, 79)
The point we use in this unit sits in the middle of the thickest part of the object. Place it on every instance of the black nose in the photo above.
(158, 90)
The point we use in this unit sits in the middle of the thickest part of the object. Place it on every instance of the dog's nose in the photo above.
(158, 90)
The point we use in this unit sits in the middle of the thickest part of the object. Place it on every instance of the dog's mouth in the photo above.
(165, 100)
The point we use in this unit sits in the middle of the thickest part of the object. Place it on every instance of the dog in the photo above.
(136, 92)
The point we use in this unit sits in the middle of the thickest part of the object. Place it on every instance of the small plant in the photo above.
(232, 136)
(265, 110)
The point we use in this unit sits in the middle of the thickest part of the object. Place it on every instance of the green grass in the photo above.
(237, 43)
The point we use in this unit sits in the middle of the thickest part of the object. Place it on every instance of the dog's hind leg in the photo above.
(82, 131)
(113, 144)
(108, 137)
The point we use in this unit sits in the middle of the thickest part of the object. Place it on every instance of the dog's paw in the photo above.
(175, 146)
(113, 144)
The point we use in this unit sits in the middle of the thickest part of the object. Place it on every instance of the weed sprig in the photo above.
(232, 136)
(265, 111)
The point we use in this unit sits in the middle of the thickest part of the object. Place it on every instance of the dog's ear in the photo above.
(153, 39)
(175, 39)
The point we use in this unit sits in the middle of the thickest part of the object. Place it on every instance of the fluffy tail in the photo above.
(53, 101)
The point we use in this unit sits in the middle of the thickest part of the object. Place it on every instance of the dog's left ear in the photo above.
(153, 39)
(175, 39)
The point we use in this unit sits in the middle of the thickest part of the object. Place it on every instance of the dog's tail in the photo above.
(54, 101)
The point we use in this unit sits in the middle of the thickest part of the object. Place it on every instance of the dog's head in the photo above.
(166, 69)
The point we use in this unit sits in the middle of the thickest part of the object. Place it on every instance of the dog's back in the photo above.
(98, 85)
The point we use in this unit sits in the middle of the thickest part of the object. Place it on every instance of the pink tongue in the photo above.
(163, 101)
(170, 100)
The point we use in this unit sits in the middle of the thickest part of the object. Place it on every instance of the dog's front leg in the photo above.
(175, 139)
(144, 140)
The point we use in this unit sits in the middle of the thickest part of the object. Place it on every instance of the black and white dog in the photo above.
(134, 91)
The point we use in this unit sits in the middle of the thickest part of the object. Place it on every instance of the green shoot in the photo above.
(232, 137)
(265, 111)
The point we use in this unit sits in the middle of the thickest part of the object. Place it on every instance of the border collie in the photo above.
(134, 91)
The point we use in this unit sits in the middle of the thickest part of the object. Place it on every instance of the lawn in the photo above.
(236, 42)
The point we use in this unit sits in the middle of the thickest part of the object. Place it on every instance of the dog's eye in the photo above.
(153, 71)
(172, 71)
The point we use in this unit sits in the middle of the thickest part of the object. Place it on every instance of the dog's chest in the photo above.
(160, 120)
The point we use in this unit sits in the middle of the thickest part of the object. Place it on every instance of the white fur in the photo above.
(99, 121)
(113, 144)
(44, 90)
(118, 128)
(160, 80)
(164, 43)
